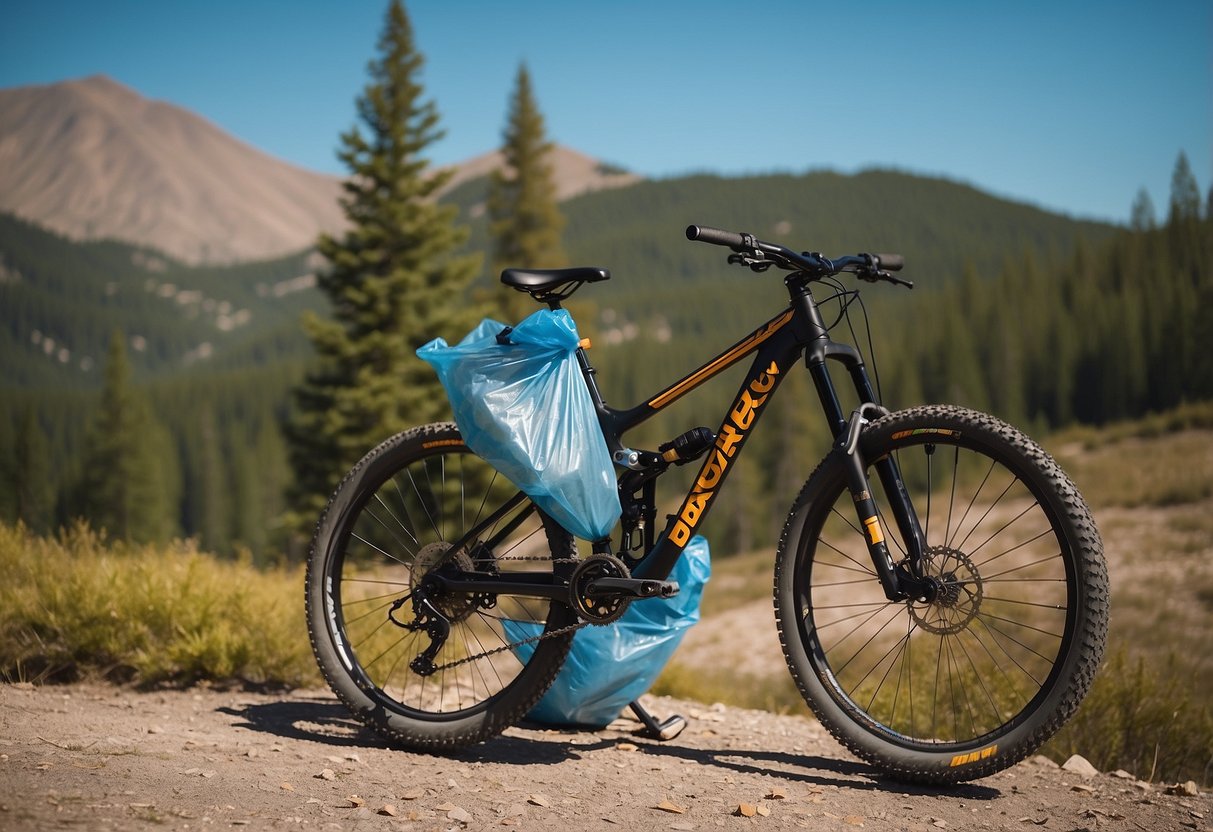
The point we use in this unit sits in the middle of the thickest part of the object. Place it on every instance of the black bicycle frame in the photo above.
(779, 344)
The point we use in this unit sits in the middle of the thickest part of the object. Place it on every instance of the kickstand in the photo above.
(655, 730)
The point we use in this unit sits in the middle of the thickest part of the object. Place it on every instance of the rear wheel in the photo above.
(983, 673)
(391, 522)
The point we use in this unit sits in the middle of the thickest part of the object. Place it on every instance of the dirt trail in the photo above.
(100, 757)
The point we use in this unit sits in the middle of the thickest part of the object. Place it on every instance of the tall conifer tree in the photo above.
(392, 278)
(32, 487)
(525, 222)
(129, 483)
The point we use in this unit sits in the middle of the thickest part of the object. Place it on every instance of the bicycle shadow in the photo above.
(813, 770)
(329, 722)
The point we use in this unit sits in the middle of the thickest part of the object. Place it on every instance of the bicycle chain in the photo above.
(558, 632)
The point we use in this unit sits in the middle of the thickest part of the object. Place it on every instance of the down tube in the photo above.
(768, 370)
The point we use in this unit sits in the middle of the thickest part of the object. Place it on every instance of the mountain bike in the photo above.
(940, 591)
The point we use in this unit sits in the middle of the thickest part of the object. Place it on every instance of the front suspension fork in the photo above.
(900, 581)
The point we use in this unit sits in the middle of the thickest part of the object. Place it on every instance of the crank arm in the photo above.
(633, 587)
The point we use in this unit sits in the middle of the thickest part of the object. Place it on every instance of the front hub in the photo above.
(956, 592)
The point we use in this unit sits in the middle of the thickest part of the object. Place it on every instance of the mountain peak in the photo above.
(92, 158)
(573, 172)
(100, 83)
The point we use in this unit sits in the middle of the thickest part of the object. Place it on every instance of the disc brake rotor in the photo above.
(959, 595)
(455, 606)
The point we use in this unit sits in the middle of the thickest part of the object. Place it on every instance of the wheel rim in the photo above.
(983, 653)
(399, 528)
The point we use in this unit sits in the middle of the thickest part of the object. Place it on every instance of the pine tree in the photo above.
(392, 278)
(525, 220)
(128, 486)
(1185, 195)
(1141, 217)
(33, 489)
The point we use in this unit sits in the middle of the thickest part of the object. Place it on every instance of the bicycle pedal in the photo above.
(634, 587)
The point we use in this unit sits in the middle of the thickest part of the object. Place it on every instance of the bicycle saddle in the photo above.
(548, 281)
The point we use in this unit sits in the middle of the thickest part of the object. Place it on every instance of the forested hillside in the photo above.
(60, 301)
(1043, 319)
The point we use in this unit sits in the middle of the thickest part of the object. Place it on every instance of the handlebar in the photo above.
(717, 237)
(760, 255)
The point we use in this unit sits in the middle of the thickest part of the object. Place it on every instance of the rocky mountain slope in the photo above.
(94, 159)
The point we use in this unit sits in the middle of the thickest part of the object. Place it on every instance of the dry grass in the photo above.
(74, 607)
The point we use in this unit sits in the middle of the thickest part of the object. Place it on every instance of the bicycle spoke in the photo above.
(973, 500)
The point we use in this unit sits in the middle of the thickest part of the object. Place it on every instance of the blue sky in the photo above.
(1069, 105)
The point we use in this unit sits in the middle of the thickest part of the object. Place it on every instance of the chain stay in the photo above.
(530, 640)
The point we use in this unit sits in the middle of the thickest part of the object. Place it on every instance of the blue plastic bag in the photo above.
(523, 406)
(610, 666)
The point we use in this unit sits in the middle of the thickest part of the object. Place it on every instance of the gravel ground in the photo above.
(103, 757)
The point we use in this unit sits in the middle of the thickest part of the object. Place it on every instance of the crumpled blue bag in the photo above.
(610, 666)
(523, 407)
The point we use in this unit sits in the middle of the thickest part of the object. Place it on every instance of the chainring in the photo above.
(597, 609)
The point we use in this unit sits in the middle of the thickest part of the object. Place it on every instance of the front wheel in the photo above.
(393, 521)
(981, 675)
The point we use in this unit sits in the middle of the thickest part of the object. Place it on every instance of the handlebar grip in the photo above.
(890, 262)
(716, 236)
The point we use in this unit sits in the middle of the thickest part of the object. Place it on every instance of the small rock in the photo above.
(326, 774)
(672, 808)
(1081, 766)
(539, 800)
(746, 810)
(1187, 789)
(459, 814)
(388, 809)
(1122, 774)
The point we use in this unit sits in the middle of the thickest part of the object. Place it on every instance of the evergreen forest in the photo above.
(114, 352)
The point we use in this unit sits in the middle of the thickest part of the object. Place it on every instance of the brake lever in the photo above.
(873, 275)
(753, 260)
(892, 278)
